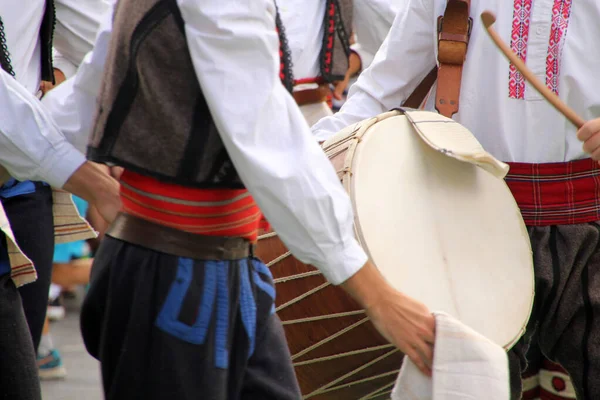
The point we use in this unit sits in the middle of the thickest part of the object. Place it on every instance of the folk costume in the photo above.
(178, 306)
(32, 213)
(553, 181)
(372, 22)
(314, 58)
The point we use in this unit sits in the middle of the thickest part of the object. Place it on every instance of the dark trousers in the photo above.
(566, 312)
(165, 327)
(18, 370)
(32, 223)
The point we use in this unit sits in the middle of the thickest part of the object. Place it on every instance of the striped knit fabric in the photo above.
(555, 383)
(69, 226)
(551, 382)
(556, 193)
(215, 212)
(531, 387)
(22, 270)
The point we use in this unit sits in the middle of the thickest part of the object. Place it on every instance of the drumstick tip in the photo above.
(488, 18)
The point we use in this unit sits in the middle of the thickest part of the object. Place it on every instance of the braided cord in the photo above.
(285, 54)
(5, 61)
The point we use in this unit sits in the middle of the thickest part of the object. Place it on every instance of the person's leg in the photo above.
(569, 316)
(18, 370)
(129, 287)
(543, 379)
(531, 374)
(56, 310)
(555, 383)
(170, 327)
(49, 361)
(269, 373)
(31, 220)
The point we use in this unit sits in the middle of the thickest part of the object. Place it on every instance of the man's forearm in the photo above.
(93, 184)
(368, 287)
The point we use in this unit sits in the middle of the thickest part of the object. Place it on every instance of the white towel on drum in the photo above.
(466, 365)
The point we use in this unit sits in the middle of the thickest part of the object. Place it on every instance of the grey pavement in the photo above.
(83, 372)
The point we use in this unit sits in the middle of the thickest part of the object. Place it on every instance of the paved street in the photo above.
(83, 379)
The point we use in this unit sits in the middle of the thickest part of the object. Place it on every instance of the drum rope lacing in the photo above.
(364, 380)
(342, 355)
(331, 385)
(302, 296)
(349, 374)
(322, 317)
(329, 339)
(297, 276)
(379, 392)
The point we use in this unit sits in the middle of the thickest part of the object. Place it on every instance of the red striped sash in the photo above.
(556, 193)
(215, 212)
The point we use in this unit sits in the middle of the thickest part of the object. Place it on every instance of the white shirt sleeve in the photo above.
(372, 22)
(73, 103)
(404, 59)
(77, 23)
(234, 48)
(46, 141)
(31, 145)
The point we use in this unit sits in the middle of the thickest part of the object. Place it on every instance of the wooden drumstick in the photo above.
(488, 20)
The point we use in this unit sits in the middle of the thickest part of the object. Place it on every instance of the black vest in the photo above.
(152, 116)
(46, 36)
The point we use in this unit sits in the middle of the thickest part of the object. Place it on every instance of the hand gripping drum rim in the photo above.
(336, 352)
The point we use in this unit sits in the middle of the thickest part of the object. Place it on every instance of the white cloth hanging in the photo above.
(466, 366)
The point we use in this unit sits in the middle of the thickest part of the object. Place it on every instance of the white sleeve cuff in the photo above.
(322, 135)
(344, 263)
(60, 163)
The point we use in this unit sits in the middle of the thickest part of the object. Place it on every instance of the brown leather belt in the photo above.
(168, 240)
(312, 96)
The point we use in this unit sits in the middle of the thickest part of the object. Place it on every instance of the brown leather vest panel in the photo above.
(152, 116)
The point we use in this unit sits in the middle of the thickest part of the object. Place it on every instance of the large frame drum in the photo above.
(434, 214)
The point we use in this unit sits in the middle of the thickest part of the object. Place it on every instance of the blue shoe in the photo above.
(51, 366)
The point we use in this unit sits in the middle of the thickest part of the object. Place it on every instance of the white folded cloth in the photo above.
(466, 366)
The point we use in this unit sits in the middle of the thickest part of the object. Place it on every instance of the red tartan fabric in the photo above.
(556, 193)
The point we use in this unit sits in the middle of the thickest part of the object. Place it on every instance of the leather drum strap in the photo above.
(418, 95)
(454, 29)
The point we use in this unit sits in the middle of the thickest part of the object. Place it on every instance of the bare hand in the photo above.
(405, 322)
(108, 207)
(339, 87)
(589, 134)
(59, 78)
(354, 67)
(116, 172)
(93, 184)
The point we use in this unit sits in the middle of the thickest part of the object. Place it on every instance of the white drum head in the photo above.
(445, 232)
